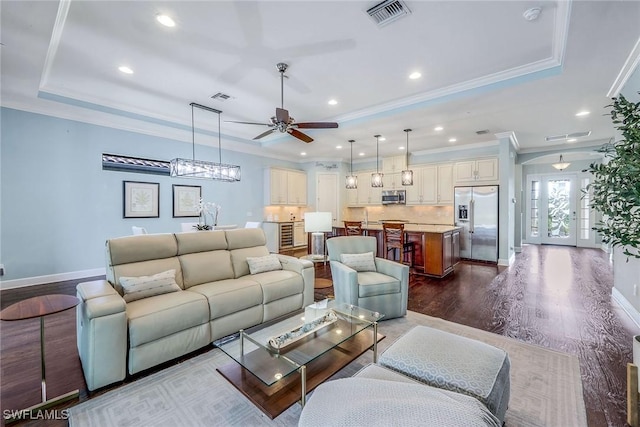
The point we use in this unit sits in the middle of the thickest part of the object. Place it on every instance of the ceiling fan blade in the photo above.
(316, 125)
(282, 115)
(301, 136)
(249, 123)
(263, 134)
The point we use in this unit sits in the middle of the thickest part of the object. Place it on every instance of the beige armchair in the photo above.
(362, 279)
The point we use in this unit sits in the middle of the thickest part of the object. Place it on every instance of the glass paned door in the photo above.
(552, 203)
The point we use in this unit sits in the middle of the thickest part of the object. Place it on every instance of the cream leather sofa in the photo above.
(217, 296)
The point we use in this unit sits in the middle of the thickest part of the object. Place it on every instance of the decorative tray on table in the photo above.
(287, 338)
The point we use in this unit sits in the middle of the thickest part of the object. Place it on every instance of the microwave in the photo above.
(394, 197)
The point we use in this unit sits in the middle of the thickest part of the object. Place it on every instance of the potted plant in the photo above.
(616, 183)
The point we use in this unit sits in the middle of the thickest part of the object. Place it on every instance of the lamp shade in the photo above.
(318, 222)
(561, 164)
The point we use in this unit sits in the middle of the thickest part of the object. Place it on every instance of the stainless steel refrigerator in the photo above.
(476, 211)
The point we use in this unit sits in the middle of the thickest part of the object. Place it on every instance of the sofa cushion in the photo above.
(372, 283)
(135, 288)
(189, 243)
(143, 268)
(245, 238)
(163, 315)
(239, 258)
(359, 262)
(278, 284)
(125, 250)
(205, 267)
(263, 263)
(230, 296)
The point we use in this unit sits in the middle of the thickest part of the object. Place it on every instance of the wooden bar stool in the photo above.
(353, 228)
(394, 240)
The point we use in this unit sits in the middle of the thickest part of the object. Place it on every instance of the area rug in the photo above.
(546, 389)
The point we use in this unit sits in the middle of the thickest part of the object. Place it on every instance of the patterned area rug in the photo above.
(546, 389)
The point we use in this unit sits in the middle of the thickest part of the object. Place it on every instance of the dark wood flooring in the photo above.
(552, 296)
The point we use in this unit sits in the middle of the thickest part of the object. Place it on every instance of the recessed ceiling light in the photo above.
(360, 154)
(401, 148)
(303, 154)
(338, 146)
(438, 128)
(332, 102)
(571, 140)
(415, 75)
(583, 113)
(165, 20)
(125, 69)
(452, 140)
(382, 138)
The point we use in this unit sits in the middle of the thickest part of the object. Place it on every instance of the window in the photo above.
(535, 209)
(584, 210)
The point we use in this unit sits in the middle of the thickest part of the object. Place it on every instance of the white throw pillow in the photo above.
(136, 288)
(359, 262)
(261, 264)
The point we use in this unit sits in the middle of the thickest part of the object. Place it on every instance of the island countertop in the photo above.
(414, 228)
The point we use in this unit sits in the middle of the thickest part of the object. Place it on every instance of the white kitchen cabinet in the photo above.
(445, 184)
(366, 194)
(299, 235)
(285, 187)
(392, 181)
(393, 164)
(480, 170)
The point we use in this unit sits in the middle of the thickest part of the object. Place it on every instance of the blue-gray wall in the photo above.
(58, 206)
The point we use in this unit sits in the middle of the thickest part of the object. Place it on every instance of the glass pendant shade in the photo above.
(561, 164)
(192, 168)
(376, 178)
(352, 180)
(407, 174)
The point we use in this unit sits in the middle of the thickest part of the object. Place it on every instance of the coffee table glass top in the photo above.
(251, 349)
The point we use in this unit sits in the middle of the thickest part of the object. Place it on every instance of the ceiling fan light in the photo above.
(561, 165)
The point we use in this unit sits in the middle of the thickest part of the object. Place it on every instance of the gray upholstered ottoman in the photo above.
(455, 363)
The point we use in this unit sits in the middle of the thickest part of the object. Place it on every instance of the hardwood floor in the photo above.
(552, 296)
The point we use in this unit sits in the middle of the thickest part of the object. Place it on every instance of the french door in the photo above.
(552, 209)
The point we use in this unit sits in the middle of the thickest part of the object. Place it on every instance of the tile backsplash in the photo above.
(441, 215)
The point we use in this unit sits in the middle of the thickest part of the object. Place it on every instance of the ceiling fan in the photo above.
(285, 123)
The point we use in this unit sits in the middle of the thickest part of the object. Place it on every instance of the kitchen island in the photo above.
(437, 247)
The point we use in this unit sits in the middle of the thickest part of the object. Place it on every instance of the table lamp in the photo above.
(318, 223)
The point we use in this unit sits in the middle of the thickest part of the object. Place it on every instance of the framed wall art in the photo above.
(140, 199)
(185, 200)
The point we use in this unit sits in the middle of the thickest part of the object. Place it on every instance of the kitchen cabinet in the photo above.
(285, 187)
(480, 170)
(366, 194)
(440, 252)
(393, 181)
(299, 235)
(393, 164)
(432, 185)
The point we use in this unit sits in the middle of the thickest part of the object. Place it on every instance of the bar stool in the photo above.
(394, 240)
(353, 228)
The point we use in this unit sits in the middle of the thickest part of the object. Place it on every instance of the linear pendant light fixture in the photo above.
(352, 180)
(376, 178)
(407, 175)
(561, 164)
(192, 168)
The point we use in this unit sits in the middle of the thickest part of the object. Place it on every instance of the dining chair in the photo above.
(188, 226)
(138, 230)
(394, 240)
(253, 224)
(353, 228)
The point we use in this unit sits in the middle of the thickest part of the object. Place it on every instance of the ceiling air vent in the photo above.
(221, 96)
(482, 132)
(388, 11)
(567, 136)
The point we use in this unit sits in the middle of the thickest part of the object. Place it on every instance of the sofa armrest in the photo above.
(101, 333)
(345, 283)
(306, 269)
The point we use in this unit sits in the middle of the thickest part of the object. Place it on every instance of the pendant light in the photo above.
(192, 168)
(407, 174)
(352, 180)
(376, 178)
(561, 164)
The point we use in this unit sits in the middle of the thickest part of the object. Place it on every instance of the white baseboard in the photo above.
(507, 262)
(50, 278)
(626, 306)
(518, 249)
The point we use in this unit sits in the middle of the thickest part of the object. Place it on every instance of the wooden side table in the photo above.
(42, 306)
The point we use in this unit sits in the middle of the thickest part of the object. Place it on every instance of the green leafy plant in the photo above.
(616, 183)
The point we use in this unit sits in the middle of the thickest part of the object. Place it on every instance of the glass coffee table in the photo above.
(278, 362)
